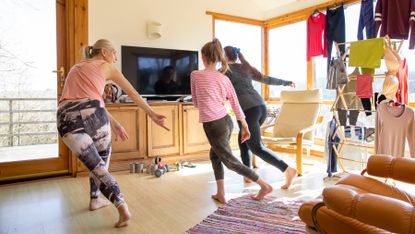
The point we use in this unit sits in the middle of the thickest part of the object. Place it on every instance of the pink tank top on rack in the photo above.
(84, 80)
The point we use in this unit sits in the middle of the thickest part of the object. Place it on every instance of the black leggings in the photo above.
(255, 117)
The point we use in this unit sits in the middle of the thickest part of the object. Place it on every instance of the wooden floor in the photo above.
(170, 204)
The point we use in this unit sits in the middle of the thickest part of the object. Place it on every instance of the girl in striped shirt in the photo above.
(210, 90)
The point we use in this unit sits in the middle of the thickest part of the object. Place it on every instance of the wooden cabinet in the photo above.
(186, 134)
(161, 141)
(186, 139)
(128, 117)
(194, 137)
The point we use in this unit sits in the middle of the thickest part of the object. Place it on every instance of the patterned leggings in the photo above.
(85, 129)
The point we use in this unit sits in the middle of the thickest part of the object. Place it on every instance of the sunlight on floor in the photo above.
(199, 169)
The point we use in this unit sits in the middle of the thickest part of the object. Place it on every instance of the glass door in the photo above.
(32, 54)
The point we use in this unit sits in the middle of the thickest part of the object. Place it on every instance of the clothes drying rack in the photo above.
(397, 45)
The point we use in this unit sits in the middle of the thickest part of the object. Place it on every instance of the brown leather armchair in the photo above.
(360, 204)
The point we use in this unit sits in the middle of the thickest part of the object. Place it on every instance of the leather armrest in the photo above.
(401, 169)
(379, 211)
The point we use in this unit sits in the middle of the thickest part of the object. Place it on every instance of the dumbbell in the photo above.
(151, 169)
(159, 172)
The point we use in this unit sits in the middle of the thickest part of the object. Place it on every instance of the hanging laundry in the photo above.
(364, 86)
(366, 20)
(394, 125)
(316, 36)
(402, 75)
(353, 105)
(396, 18)
(336, 30)
(359, 56)
(333, 140)
(349, 95)
(337, 74)
(364, 91)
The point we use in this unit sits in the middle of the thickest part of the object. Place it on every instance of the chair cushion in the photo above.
(283, 141)
(299, 110)
(301, 96)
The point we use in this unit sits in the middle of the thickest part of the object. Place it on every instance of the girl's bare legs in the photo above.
(125, 216)
(290, 173)
(247, 180)
(220, 195)
(265, 189)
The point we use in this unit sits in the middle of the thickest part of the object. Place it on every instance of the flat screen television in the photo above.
(156, 72)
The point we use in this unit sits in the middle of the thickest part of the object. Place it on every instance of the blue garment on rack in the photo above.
(333, 140)
(366, 19)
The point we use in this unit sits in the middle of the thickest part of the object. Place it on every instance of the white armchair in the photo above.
(299, 116)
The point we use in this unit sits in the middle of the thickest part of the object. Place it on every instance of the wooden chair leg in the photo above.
(299, 159)
(254, 161)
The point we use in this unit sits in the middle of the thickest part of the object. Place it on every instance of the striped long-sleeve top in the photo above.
(210, 91)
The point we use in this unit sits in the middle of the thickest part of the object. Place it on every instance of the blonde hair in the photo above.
(213, 53)
(95, 49)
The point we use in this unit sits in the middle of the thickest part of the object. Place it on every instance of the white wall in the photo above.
(185, 24)
(291, 7)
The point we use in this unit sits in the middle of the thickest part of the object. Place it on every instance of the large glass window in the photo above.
(246, 37)
(287, 56)
(28, 88)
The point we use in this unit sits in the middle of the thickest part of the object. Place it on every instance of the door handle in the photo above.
(185, 109)
(61, 73)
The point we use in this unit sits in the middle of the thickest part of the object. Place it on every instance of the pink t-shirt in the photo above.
(210, 90)
(84, 80)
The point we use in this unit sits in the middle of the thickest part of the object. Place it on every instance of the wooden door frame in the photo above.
(76, 35)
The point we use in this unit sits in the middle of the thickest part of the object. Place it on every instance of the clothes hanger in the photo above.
(393, 102)
(334, 6)
(315, 12)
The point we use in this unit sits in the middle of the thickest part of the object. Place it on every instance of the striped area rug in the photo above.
(244, 215)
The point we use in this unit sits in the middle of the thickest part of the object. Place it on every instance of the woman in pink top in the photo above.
(210, 91)
(84, 123)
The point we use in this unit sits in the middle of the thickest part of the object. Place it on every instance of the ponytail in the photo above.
(213, 53)
(233, 54)
(248, 68)
(92, 51)
(88, 52)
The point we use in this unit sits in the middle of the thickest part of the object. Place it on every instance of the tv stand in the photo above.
(168, 98)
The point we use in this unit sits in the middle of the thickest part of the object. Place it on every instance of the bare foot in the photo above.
(265, 190)
(246, 180)
(97, 203)
(290, 174)
(124, 216)
(219, 198)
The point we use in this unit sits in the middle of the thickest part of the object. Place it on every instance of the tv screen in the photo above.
(159, 72)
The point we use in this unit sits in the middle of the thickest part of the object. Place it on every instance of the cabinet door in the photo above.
(194, 137)
(127, 116)
(161, 141)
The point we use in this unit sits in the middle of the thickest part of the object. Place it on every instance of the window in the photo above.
(287, 56)
(351, 14)
(244, 36)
